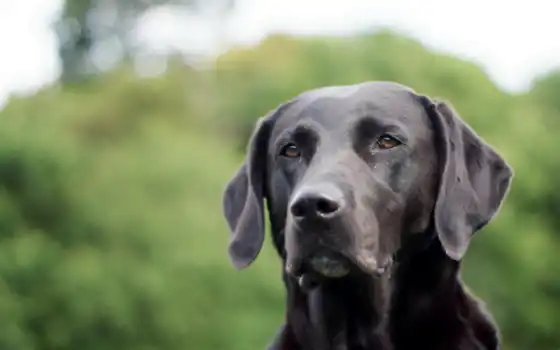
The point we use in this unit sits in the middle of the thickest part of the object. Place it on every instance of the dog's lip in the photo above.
(328, 253)
(367, 263)
(363, 261)
(320, 256)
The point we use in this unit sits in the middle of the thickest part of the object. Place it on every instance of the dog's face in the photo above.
(349, 175)
(349, 171)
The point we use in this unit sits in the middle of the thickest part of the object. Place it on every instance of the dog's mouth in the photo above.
(321, 264)
(328, 264)
(320, 267)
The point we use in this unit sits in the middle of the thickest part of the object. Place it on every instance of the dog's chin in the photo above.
(318, 267)
(330, 264)
(327, 265)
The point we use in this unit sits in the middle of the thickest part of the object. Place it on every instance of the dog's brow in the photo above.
(300, 133)
(305, 134)
(368, 126)
(302, 130)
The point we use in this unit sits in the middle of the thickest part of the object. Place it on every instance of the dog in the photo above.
(373, 193)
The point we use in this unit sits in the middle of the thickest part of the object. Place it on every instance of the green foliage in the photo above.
(110, 198)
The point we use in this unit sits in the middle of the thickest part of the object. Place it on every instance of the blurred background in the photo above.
(121, 121)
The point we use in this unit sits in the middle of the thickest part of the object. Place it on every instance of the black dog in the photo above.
(374, 192)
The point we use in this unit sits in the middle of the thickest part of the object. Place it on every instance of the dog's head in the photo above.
(349, 172)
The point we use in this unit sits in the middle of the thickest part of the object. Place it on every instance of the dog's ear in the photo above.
(474, 179)
(243, 198)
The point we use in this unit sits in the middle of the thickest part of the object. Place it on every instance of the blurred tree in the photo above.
(105, 26)
(545, 90)
(545, 104)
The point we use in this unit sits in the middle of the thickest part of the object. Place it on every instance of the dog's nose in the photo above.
(320, 202)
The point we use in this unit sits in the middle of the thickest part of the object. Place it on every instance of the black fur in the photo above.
(372, 208)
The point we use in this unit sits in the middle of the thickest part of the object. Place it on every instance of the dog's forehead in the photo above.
(339, 106)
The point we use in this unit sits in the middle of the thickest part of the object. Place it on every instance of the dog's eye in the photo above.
(387, 142)
(290, 151)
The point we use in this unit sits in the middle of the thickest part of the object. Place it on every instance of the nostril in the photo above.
(326, 206)
(298, 209)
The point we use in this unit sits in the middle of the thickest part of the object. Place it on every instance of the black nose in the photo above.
(322, 202)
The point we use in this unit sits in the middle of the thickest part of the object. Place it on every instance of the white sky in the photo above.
(513, 41)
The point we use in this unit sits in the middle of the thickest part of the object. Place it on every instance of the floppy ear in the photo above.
(243, 199)
(474, 180)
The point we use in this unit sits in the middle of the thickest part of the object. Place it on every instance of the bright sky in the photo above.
(513, 41)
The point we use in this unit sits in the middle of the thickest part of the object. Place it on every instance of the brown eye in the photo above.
(387, 142)
(290, 151)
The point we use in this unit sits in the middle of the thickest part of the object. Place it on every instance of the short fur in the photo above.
(398, 219)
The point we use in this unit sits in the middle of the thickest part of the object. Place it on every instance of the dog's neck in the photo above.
(347, 314)
(431, 309)
(420, 300)
(426, 299)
